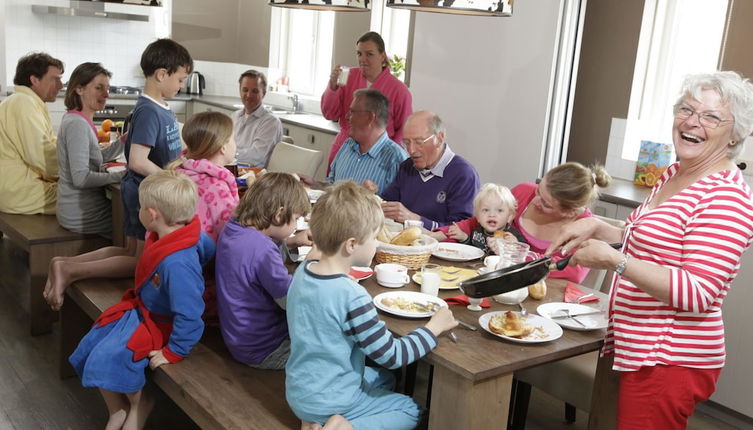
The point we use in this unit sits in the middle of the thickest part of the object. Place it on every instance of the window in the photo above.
(394, 26)
(301, 48)
(678, 37)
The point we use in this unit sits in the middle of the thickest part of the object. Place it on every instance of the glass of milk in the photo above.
(431, 276)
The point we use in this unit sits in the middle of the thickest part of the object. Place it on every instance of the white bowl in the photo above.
(513, 297)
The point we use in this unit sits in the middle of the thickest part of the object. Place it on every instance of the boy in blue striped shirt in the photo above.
(334, 326)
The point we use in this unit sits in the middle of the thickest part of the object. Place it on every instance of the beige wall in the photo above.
(235, 31)
(736, 52)
(605, 75)
(348, 28)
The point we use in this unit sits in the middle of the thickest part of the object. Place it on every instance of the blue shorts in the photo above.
(129, 193)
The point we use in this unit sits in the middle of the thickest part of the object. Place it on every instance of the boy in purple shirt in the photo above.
(434, 185)
(252, 281)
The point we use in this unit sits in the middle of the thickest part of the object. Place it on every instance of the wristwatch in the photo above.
(622, 265)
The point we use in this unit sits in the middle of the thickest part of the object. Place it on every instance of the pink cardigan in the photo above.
(218, 194)
(335, 105)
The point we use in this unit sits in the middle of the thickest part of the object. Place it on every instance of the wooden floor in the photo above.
(32, 396)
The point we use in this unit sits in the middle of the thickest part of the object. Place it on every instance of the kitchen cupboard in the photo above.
(611, 210)
(311, 139)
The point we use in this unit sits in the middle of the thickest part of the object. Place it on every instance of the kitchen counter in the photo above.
(308, 120)
(625, 193)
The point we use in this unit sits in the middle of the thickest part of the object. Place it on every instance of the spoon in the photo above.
(523, 310)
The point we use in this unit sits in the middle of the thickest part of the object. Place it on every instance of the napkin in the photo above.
(463, 300)
(572, 293)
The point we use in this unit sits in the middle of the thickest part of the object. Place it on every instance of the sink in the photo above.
(282, 112)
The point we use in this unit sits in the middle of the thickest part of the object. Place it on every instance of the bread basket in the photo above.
(411, 256)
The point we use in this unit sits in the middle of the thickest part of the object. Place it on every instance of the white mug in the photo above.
(413, 223)
(491, 262)
(391, 275)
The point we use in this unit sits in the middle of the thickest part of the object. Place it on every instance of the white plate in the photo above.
(361, 273)
(303, 251)
(412, 296)
(591, 322)
(457, 252)
(549, 329)
(301, 224)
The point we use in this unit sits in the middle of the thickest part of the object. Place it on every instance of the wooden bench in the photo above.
(214, 390)
(42, 238)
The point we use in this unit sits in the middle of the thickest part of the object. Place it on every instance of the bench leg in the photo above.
(74, 324)
(40, 313)
(521, 396)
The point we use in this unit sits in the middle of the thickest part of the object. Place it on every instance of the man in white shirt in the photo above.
(255, 129)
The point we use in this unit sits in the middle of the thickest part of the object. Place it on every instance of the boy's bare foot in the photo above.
(58, 280)
(116, 420)
(337, 422)
(48, 285)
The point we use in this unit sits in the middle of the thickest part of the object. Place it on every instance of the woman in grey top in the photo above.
(82, 205)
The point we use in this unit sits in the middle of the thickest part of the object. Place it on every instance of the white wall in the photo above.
(489, 80)
(117, 44)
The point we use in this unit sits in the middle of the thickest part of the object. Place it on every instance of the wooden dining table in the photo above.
(472, 379)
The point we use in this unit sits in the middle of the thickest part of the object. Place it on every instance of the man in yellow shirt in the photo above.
(28, 157)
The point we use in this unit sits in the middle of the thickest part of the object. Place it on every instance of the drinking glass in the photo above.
(342, 79)
(431, 276)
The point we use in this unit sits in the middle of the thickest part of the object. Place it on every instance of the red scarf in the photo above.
(149, 335)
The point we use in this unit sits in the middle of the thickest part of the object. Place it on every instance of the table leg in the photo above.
(603, 413)
(459, 403)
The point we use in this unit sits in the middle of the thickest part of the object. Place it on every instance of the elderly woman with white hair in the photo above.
(682, 250)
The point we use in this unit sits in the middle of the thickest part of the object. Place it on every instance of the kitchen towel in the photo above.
(463, 300)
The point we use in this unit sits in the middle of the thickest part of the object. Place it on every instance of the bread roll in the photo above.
(506, 235)
(407, 236)
(384, 235)
(537, 290)
(510, 324)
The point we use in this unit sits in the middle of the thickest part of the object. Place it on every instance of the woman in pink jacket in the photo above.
(372, 72)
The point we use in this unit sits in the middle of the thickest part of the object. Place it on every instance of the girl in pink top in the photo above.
(373, 72)
(209, 138)
(562, 197)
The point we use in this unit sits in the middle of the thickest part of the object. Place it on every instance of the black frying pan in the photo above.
(514, 277)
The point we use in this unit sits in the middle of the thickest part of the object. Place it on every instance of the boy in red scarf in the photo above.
(159, 320)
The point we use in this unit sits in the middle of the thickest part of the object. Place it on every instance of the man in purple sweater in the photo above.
(434, 185)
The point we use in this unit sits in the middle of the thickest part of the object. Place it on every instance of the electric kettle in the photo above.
(195, 83)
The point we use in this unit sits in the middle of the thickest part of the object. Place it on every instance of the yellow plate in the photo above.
(451, 276)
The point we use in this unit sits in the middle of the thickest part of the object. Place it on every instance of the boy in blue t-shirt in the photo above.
(334, 326)
(154, 135)
(152, 142)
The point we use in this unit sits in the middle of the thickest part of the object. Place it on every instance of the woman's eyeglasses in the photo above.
(706, 119)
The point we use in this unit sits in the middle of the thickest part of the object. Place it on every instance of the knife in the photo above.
(556, 317)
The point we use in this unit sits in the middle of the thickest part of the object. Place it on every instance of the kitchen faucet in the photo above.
(297, 104)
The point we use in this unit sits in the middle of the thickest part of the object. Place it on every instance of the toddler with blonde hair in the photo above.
(493, 210)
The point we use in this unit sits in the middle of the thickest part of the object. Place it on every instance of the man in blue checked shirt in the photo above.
(368, 156)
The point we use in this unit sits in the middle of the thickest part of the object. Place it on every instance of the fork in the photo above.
(433, 307)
